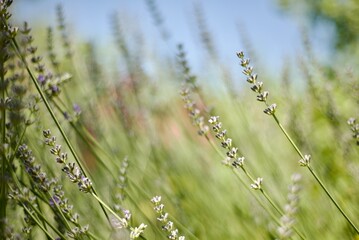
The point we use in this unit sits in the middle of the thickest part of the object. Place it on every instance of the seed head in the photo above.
(213, 119)
(46, 133)
(232, 153)
(305, 161)
(159, 208)
(257, 87)
(227, 161)
(240, 54)
(247, 71)
(156, 199)
(227, 143)
(245, 62)
(173, 234)
(257, 185)
(56, 150)
(351, 121)
(271, 109)
(262, 97)
(252, 78)
(137, 231)
(168, 227)
(221, 134)
(85, 184)
(217, 127)
(163, 217)
(238, 162)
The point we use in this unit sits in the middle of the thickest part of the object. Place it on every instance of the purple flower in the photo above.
(77, 109)
(54, 89)
(55, 200)
(41, 79)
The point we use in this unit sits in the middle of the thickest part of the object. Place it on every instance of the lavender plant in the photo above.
(121, 137)
(291, 208)
(168, 225)
(257, 86)
(354, 127)
(232, 159)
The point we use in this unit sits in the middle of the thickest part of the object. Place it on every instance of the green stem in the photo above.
(38, 222)
(267, 197)
(19, 142)
(274, 217)
(250, 178)
(271, 201)
(288, 137)
(3, 188)
(18, 185)
(93, 236)
(332, 199)
(316, 176)
(108, 208)
(135, 203)
(40, 209)
(142, 191)
(3, 164)
(47, 104)
(214, 146)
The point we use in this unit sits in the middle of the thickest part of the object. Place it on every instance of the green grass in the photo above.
(141, 117)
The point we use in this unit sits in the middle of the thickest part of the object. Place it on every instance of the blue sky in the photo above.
(273, 34)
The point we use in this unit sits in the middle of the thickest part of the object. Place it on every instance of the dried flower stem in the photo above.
(162, 217)
(264, 193)
(354, 127)
(133, 230)
(285, 231)
(257, 87)
(235, 162)
(274, 217)
(239, 162)
(4, 41)
(18, 186)
(39, 224)
(314, 174)
(43, 97)
(203, 130)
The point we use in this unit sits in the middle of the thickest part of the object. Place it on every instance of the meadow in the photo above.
(98, 152)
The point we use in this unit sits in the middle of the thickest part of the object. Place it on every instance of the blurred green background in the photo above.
(126, 80)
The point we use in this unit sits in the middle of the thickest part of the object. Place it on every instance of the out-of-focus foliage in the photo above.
(136, 140)
(343, 14)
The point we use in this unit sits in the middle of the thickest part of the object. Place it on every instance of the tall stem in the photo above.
(332, 199)
(47, 104)
(319, 181)
(3, 164)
